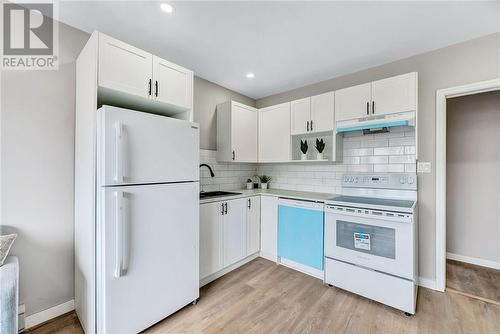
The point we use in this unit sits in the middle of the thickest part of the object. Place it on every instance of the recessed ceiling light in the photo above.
(250, 75)
(167, 8)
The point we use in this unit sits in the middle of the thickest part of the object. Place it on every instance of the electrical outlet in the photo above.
(424, 167)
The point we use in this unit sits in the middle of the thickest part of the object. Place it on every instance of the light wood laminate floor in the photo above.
(474, 280)
(262, 297)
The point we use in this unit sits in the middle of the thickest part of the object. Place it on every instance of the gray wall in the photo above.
(38, 115)
(37, 171)
(467, 62)
(206, 97)
(473, 162)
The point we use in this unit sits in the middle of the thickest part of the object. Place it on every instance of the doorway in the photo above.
(442, 96)
(473, 195)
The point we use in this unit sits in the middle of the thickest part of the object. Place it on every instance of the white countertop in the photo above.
(304, 195)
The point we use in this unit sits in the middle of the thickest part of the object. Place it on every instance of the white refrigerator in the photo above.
(147, 224)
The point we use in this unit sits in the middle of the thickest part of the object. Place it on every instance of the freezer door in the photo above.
(138, 148)
(148, 256)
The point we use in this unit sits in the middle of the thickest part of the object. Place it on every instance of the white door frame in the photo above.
(441, 96)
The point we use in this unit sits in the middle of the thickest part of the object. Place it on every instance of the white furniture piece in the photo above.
(133, 78)
(371, 239)
(274, 133)
(313, 114)
(9, 295)
(229, 235)
(236, 132)
(269, 227)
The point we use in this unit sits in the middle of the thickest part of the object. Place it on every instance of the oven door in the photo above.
(385, 245)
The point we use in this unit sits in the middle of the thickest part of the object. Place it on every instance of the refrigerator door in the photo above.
(148, 266)
(139, 148)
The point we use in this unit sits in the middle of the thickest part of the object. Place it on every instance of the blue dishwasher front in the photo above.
(300, 232)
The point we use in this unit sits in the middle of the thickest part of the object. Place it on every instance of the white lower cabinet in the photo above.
(269, 227)
(210, 238)
(253, 225)
(229, 232)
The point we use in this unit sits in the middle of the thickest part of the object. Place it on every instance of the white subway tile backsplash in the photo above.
(392, 152)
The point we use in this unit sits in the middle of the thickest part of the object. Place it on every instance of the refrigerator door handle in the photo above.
(118, 152)
(122, 236)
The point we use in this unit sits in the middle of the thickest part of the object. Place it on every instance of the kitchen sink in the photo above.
(210, 194)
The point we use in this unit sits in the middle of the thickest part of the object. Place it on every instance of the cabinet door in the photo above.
(235, 235)
(352, 102)
(323, 112)
(123, 67)
(210, 238)
(274, 133)
(253, 225)
(300, 115)
(396, 94)
(244, 132)
(269, 227)
(173, 84)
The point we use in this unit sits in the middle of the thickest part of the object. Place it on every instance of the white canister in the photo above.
(263, 185)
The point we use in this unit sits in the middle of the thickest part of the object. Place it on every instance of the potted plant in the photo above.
(264, 180)
(303, 149)
(320, 146)
(249, 184)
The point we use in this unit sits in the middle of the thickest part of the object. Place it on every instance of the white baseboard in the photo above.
(224, 271)
(473, 260)
(302, 268)
(427, 283)
(268, 256)
(50, 313)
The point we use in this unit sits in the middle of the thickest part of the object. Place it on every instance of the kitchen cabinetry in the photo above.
(313, 114)
(269, 227)
(253, 225)
(274, 133)
(229, 232)
(387, 96)
(235, 230)
(136, 78)
(210, 238)
(237, 130)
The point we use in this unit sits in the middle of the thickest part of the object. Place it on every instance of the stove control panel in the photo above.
(383, 181)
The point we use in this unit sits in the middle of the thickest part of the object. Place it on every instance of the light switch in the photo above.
(423, 167)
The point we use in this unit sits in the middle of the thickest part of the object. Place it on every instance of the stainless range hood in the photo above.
(376, 123)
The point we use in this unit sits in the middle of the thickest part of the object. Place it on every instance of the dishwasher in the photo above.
(301, 235)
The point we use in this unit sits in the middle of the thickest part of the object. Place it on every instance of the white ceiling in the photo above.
(286, 44)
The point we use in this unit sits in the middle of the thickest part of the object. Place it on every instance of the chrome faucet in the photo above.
(209, 168)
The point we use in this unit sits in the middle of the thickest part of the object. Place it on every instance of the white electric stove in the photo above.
(371, 238)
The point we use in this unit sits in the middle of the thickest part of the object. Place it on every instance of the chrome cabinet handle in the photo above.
(222, 208)
(234, 155)
(225, 210)
(149, 86)
(307, 126)
(249, 203)
(156, 88)
(373, 107)
(311, 125)
(368, 108)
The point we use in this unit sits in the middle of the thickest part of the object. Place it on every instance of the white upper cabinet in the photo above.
(274, 133)
(387, 96)
(139, 79)
(322, 112)
(300, 115)
(236, 132)
(352, 102)
(395, 94)
(124, 68)
(173, 84)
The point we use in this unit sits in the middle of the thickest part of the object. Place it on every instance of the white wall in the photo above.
(37, 139)
(374, 153)
(472, 176)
